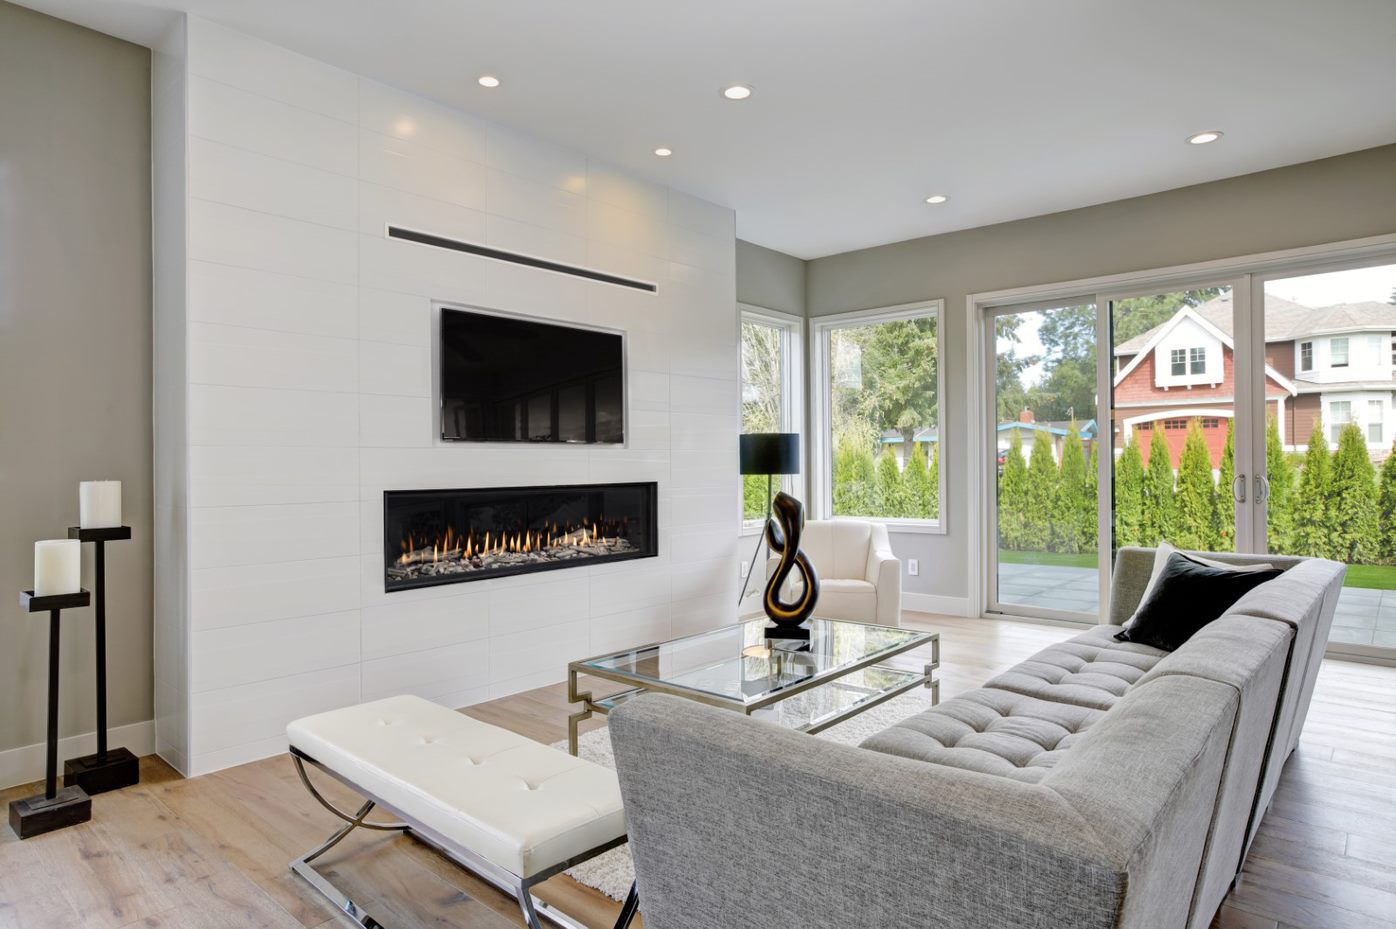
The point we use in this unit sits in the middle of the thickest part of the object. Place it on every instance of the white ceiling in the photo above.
(1013, 108)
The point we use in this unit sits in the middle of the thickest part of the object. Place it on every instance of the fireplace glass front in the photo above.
(449, 536)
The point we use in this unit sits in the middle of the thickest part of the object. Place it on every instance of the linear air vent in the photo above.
(484, 251)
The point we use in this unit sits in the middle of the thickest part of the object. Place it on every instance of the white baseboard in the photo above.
(25, 764)
(935, 603)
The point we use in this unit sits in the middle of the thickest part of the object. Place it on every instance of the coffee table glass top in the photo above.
(738, 664)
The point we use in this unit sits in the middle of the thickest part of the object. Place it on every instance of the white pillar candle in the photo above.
(99, 504)
(57, 567)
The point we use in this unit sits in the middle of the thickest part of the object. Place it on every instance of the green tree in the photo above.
(1160, 507)
(1090, 524)
(1067, 390)
(1067, 531)
(934, 478)
(1279, 508)
(1352, 500)
(1042, 487)
(891, 495)
(916, 483)
(1224, 534)
(1129, 495)
(898, 364)
(1196, 494)
(1013, 496)
(753, 496)
(1010, 363)
(853, 480)
(1310, 532)
(1386, 509)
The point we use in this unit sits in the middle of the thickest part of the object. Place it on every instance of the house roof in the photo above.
(1285, 320)
(1086, 430)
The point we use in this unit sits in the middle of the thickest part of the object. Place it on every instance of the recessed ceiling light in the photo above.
(937, 198)
(736, 92)
(488, 80)
(1202, 138)
(663, 152)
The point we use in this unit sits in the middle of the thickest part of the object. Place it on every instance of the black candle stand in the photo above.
(54, 808)
(106, 769)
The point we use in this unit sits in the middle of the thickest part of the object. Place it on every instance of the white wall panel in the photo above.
(309, 391)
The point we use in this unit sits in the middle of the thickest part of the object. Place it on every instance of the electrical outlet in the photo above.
(913, 567)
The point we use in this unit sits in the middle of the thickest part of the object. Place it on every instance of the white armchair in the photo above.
(859, 577)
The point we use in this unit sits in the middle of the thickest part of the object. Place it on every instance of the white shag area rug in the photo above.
(613, 872)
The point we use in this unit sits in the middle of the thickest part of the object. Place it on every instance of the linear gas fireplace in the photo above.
(448, 536)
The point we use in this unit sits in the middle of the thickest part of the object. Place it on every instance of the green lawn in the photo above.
(1379, 577)
(1086, 560)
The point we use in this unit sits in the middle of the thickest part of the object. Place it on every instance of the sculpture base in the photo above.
(97, 775)
(798, 633)
(36, 815)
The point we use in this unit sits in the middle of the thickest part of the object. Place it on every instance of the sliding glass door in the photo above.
(1251, 411)
(1326, 433)
(1043, 438)
(1173, 396)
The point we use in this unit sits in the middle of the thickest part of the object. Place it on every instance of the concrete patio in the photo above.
(1364, 616)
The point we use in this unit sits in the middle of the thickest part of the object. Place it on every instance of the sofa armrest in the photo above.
(736, 822)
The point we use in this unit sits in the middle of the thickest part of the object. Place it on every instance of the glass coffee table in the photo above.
(804, 685)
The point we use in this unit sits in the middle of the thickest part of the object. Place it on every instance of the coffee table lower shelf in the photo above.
(812, 710)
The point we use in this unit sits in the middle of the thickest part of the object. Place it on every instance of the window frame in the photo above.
(792, 348)
(1306, 355)
(1197, 360)
(1335, 425)
(821, 465)
(1377, 422)
(1333, 361)
(1178, 359)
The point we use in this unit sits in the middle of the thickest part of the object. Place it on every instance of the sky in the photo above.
(1353, 286)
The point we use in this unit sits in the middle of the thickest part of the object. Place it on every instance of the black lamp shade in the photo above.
(770, 453)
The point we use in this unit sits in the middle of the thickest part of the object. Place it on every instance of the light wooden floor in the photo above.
(212, 852)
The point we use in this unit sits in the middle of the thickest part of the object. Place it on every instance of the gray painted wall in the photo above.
(1346, 197)
(74, 351)
(769, 278)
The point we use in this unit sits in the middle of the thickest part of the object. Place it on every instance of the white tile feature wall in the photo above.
(303, 390)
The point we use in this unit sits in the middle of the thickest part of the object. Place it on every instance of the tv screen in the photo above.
(506, 379)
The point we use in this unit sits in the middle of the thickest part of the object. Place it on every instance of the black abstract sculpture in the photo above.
(783, 535)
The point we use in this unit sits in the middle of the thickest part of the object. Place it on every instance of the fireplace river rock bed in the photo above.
(521, 549)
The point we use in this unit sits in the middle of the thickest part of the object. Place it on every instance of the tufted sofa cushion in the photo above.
(1022, 722)
(990, 731)
(1089, 670)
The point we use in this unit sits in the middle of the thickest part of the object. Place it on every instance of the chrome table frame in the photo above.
(639, 685)
(518, 887)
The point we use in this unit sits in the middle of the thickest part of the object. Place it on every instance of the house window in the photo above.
(1340, 412)
(1197, 361)
(1175, 424)
(878, 379)
(1376, 414)
(1393, 349)
(1306, 356)
(771, 383)
(1178, 362)
(1338, 353)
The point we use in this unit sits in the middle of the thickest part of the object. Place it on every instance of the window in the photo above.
(1338, 352)
(878, 384)
(771, 385)
(1197, 361)
(1340, 412)
(1178, 362)
(1175, 424)
(1306, 356)
(1393, 349)
(1376, 415)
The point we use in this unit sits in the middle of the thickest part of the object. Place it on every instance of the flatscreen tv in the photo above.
(509, 379)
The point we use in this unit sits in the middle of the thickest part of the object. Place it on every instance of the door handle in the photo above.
(1262, 488)
(1238, 488)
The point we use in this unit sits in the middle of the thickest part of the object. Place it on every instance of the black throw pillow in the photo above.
(1188, 596)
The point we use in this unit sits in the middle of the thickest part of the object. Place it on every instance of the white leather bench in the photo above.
(511, 810)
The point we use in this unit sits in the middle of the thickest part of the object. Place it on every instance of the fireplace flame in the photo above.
(453, 545)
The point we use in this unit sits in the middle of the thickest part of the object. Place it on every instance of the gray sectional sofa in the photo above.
(1097, 784)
